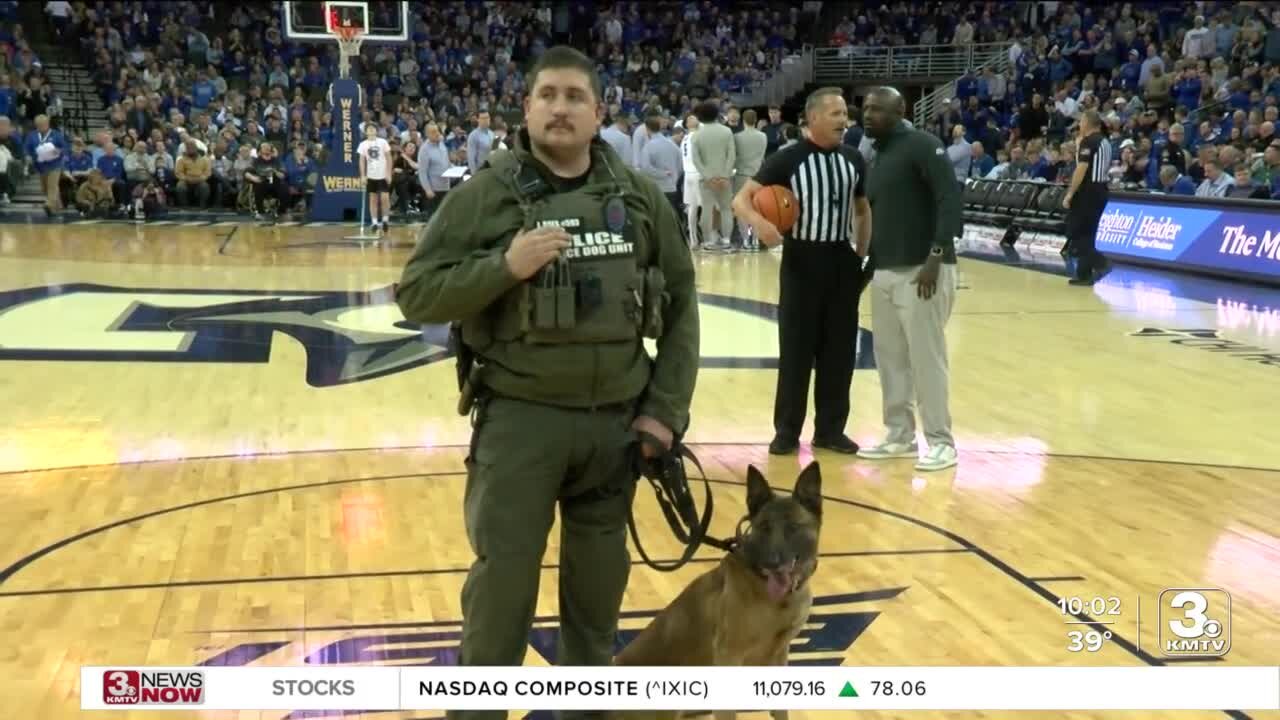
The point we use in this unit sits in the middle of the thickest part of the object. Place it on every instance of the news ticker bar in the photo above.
(683, 688)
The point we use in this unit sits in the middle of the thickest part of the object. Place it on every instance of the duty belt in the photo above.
(666, 474)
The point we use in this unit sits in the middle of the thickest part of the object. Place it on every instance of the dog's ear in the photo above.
(758, 491)
(808, 490)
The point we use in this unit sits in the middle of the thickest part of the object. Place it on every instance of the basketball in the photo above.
(778, 205)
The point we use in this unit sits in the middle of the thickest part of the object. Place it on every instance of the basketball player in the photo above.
(1086, 198)
(821, 276)
(375, 172)
(918, 214)
(692, 195)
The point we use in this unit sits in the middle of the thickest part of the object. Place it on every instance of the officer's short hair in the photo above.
(1092, 118)
(749, 118)
(819, 96)
(563, 57)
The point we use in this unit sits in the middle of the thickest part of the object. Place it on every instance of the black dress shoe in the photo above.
(783, 446)
(840, 444)
(1081, 281)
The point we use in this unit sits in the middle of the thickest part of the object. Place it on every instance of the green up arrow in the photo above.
(848, 690)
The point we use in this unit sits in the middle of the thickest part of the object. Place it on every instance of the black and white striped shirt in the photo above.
(1095, 150)
(825, 183)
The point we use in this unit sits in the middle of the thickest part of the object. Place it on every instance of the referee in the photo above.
(821, 275)
(1086, 198)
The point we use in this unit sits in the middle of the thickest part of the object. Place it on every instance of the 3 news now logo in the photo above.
(135, 687)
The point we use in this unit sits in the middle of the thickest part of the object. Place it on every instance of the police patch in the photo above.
(615, 214)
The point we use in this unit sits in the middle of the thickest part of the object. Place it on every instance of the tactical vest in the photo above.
(603, 288)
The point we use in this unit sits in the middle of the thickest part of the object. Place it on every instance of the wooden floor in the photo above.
(221, 448)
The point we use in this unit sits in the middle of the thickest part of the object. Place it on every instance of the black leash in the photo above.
(666, 474)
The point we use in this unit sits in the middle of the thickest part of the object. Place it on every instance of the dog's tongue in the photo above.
(778, 584)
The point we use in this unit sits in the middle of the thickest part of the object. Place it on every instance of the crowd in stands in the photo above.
(1189, 93)
(195, 92)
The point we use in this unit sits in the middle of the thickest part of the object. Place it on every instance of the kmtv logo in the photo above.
(134, 687)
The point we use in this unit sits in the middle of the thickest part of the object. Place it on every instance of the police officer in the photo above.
(1086, 199)
(554, 262)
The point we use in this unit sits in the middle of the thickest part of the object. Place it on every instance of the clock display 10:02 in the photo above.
(789, 688)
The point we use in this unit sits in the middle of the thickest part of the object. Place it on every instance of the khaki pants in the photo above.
(911, 352)
(716, 200)
(49, 186)
(744, 229)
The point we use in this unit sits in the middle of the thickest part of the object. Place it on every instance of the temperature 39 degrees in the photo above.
(1087, 614)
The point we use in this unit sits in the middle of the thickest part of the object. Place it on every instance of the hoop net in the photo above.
(349, 41)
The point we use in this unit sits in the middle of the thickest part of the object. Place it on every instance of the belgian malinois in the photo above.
(747, 609)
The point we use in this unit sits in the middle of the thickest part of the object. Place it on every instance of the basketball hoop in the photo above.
(349, 40)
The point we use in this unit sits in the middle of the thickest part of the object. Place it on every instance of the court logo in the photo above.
(1208, 340)
(348, 336)
(1195, 622)
(135, 687)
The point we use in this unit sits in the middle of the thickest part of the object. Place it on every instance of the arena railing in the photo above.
(791, 77)
(850, 63)
(927, 107)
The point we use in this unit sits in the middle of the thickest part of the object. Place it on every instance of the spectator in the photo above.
(1175, 183)
(192, 171)
(46, 147)
(960, 153)
(1216, 182)
(1245, 187)
(11, 158)
(95, 196)
(660, 159)
(148, 199)
(79, 165)
(161, 164)
(1158, 89)
(433, 161)
(617, 137)
(480, 143)
(404, 176)
(299, 175)
(112, 167)
(1198, 42)
(266, 178)
(1033, 119)
(138, 168)
(982, 164)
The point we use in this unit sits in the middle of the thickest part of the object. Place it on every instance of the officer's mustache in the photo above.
(559, 125)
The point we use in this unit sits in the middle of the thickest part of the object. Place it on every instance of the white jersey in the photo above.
(686, 154)
(377, 155)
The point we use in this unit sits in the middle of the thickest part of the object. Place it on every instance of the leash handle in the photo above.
(665, 473)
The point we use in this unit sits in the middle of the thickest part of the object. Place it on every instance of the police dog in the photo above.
(747, 609)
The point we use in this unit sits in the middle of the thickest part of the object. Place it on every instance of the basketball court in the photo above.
(224, 446)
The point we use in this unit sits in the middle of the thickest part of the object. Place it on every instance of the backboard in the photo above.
(386, 22)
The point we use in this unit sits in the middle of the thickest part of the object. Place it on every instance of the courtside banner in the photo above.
(1244, 241)
(688, 688)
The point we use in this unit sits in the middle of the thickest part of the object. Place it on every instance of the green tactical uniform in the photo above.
(560, 372)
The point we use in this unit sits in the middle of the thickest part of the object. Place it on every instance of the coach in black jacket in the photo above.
(918, 214)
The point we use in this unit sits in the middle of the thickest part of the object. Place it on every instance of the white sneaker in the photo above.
(939, 457)
(885, 451)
